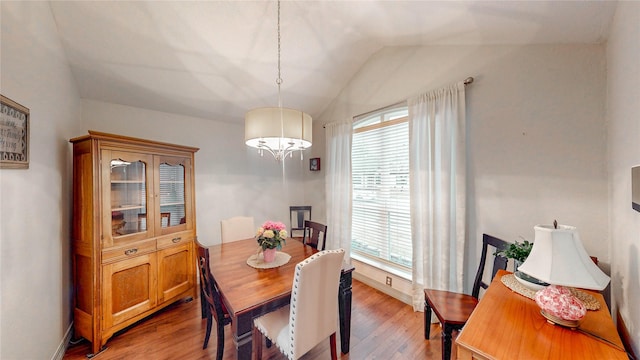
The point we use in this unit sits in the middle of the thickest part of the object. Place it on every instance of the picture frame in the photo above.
(314, 164)
(14, 135)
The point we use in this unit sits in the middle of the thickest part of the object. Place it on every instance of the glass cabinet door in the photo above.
(128, 194)
(173, 192)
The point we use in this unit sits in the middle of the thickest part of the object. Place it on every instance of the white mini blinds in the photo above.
(381, 227)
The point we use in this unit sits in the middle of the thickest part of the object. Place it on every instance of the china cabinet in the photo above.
(133, 231)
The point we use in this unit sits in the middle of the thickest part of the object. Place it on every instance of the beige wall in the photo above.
(623, 140)
(536, 143)
(35, 204)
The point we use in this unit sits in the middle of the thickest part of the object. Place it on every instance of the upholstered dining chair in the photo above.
(453, 309)
(313, 232)
(311, 315)
(210, 297)
(237, 228)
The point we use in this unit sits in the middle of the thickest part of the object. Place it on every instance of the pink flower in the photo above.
(273, 225)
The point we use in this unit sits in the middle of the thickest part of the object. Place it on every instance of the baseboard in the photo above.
(383, 288)
(62, 348)
(625, 337)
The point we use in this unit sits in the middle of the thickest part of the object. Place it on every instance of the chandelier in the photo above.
(278, 130)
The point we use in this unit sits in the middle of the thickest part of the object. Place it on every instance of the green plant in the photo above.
(517, 251)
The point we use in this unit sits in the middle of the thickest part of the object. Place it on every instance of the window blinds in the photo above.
(381, 225)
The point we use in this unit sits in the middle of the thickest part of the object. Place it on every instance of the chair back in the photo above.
(297, 216)
(314, 300)
(208, 287)
(499, 262)
(313, 233)
(237, 228)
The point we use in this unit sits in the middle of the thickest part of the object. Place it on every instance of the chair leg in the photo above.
(208, 333)
(220, 340)
(446, 341)
(203, 304)
(427, 320)
(257, 343)
(334, 352)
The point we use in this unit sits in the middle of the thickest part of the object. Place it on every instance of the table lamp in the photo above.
(559, 258)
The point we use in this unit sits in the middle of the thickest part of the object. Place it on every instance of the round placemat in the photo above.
(512, 283)
(257, 260)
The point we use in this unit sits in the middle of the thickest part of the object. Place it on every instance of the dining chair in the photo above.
(311, 315)
(237, 228)
(209, 295)
(453, 309)
(313, 232)
(297, 216)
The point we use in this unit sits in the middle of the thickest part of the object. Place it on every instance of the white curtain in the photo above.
(437, 185)
(338, 186)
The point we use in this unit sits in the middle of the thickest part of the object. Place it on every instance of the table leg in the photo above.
(242, 337)
(344, 307)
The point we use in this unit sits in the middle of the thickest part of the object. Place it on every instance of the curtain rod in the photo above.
(466, 81)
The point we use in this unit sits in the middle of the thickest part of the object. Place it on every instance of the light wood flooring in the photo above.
(381, 328)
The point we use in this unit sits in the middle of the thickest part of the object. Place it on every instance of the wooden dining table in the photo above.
(248, 292)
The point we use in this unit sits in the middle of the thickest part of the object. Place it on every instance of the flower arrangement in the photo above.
(271, 235)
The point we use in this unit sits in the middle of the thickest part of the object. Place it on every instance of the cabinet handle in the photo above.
(176, 240)
(131, 251)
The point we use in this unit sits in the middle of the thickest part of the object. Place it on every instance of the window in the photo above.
(381, 227)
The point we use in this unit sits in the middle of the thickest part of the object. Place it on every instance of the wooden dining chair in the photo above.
(453, 309)
(237, 228)
(311, 316)
(210, 297)
(313, 233)
(297, 216)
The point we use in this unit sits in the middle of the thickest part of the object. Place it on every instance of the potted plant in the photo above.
(519, 251)
(270, 237)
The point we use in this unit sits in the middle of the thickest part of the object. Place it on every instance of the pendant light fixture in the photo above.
(278, 130)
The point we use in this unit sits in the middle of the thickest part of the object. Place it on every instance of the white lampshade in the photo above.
(278, 130)
(559, 258)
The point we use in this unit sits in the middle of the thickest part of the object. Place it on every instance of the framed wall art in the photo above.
(314, 164)
(14, 135)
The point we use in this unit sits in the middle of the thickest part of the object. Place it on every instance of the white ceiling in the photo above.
(218, 59)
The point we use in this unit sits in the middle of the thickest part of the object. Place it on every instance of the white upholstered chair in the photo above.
(237, 228)
(312, 314)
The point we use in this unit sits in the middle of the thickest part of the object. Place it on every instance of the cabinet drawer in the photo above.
(174, 239)
(129, 251)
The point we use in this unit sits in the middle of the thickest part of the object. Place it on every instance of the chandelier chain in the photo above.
(279, 79)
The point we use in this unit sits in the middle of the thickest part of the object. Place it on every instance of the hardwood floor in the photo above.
(381, 328)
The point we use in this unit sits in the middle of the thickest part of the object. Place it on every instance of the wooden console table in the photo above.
(507, 325)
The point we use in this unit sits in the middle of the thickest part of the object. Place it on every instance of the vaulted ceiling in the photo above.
(218, 59)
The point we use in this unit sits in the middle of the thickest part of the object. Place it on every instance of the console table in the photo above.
(506, 325)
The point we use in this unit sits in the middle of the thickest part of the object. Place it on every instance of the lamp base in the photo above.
(552, 319)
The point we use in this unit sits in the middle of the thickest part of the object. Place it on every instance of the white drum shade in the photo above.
(277, 129)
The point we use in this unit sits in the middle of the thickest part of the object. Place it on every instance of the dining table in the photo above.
(249, 292)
